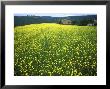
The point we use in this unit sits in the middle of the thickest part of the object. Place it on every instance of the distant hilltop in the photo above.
(90, 20)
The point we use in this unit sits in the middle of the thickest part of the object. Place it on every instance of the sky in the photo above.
(53, 14)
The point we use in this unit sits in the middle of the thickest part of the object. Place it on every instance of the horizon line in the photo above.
(54, 14)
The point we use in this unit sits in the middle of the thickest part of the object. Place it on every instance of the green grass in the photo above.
(55, 50)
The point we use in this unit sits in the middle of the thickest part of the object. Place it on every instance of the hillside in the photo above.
(23, 20)
(55, 50)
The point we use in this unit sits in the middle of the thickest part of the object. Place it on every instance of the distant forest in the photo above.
(90, 20)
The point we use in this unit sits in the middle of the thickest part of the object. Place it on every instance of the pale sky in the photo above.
(53, 14)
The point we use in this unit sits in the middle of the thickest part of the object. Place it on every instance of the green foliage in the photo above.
(86, 21)
(75, 20)
(55, 50)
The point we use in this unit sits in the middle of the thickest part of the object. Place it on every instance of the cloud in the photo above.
(53, 14)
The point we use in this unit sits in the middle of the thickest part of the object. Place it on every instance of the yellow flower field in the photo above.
(50, 49)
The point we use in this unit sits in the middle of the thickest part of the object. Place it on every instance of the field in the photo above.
(55, 50)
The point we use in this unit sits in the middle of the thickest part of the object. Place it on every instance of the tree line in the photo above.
(25, 20)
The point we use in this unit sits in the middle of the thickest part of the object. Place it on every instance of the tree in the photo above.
(74, 22)
(59, 21)
(86, 21)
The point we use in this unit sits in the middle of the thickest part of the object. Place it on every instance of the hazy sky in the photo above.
(53, 14)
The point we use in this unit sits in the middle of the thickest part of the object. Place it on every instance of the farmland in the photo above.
(55, 50)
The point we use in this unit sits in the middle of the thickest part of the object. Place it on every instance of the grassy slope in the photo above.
(53, 49)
